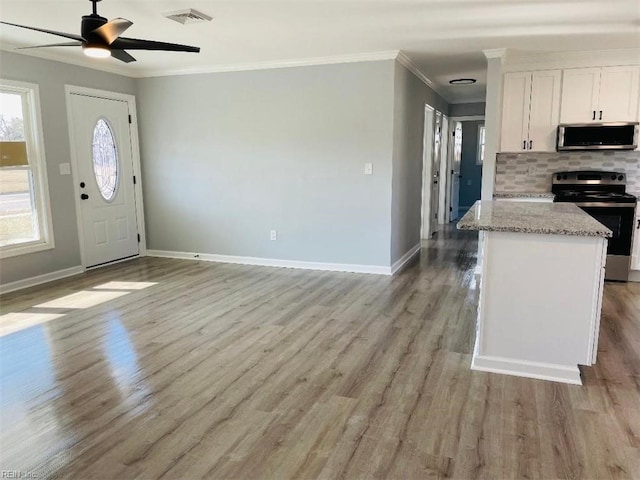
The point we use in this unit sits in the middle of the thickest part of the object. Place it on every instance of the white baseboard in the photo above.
(272, 262)
(405, 259)
(40, 279)
(521, 368)
(634, 275)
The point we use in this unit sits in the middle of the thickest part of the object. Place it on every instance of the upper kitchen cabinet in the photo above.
(530, 111)
(607, 94)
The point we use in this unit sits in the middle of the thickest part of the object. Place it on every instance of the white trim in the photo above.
(526, 61)
(34, 138)
(405, 259)
(272, 262)
(522, 368)
(634, 276)
(467, 118)
(461, 101)
(128, 71)
(405, 61)
(479, 145)
(135, 157)
(298, 62)
(40, 279)
(495, 53)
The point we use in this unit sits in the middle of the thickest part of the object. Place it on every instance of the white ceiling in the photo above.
(444, 38)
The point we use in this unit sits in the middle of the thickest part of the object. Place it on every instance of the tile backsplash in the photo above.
(531, 172)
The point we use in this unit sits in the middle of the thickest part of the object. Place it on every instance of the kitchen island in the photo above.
(541, 288)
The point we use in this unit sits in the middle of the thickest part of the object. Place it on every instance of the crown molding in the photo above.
(47, 54)
(301, 62)
(482, 99)
(397, 55)
(405, 61)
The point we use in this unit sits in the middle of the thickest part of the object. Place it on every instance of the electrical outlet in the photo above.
(274, 235)
(368, 168)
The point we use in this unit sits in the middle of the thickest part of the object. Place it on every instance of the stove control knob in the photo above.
(613, 177)
(558, 177)
(620, 178)
(565, 177)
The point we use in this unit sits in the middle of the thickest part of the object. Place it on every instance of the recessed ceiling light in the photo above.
(462, 81)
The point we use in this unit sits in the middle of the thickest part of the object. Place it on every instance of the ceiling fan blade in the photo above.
(136, 44)
(66, 44)
(52, 32)
(122, 56)
(112, 29)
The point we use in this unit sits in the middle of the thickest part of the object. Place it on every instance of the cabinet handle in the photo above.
(594, 115)
(524, 144)
(530, 144)
(600, 114)
(638, 227)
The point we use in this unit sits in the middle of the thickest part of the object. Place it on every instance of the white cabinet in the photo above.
(606, 94)
(530, 111)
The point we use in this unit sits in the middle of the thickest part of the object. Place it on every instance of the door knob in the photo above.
(84, 196)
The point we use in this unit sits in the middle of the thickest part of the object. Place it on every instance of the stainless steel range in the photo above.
(603, 196)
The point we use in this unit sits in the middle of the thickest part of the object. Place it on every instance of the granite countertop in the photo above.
(523, 195)
(530, 217)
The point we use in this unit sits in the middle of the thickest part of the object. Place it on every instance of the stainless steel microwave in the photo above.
(598, 136)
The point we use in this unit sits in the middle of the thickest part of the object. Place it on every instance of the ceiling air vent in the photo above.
(188, 16)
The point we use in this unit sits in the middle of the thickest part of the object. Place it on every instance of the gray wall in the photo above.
(51, 77)
(410, 97)
(227, 157)
(466, 109)
(470, 171)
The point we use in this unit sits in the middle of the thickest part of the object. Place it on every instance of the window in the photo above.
(105, 160)
(480, 158)
(25, 218)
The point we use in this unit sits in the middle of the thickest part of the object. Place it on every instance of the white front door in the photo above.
(101, 140)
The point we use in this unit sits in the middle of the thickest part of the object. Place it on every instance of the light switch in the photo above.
(368, 168)
(65, 169)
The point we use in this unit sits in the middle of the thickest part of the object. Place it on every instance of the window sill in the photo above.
(25, 249)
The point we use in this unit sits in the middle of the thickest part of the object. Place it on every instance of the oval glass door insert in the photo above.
(105, 160)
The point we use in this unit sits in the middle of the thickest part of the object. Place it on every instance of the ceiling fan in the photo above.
(100, 38)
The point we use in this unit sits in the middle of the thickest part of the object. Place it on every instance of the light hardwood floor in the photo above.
(229, 371)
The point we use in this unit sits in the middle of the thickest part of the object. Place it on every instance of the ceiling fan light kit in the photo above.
(96, 51)
(100, 38)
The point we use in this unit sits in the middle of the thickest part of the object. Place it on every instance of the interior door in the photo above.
(435, 173)
(455, 170)
(101, 140)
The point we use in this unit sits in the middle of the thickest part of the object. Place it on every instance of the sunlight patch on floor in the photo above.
(125, 285)
(84, 299)
(16, 321)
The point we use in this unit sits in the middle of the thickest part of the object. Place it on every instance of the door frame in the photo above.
(452, 120)
(445, 142)
(135, 157)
